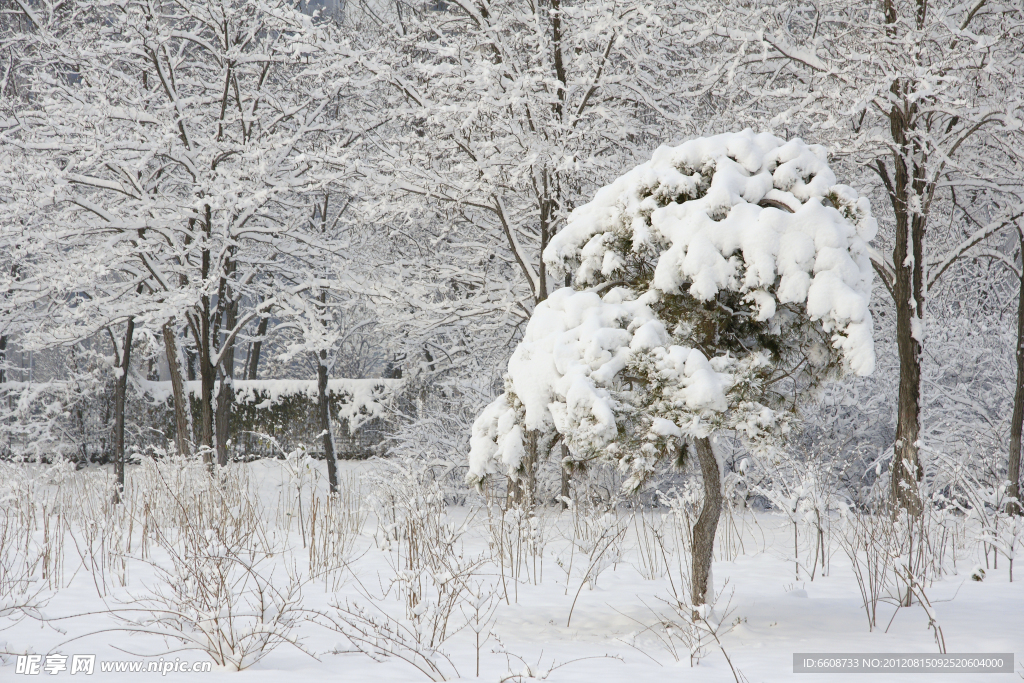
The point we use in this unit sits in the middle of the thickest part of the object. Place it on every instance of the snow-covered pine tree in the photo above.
(714, 285)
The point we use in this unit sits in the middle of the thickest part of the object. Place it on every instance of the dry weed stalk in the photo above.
(20, 585)
(649, 531)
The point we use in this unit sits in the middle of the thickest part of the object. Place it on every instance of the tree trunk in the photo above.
(119, 392)
(526, 482)
(909, 293)
(226, 395)
(1017, 421)
(257, 346)
(208, 378)
(15, 273)
(707, 524)
(564, 492)
(204, 341)
(190, 363)
(906, 465)
(222, 421)
(324, 404)
(183, 433)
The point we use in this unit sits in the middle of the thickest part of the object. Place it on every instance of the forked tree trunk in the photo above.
(324, 405)
(707, 524)
(119, 393)
(183, 433)
(1017, 421)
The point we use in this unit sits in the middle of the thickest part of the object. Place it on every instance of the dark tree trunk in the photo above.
(15, 273)
(182, 434)
(208, 378)
(906, 465)
(323, 397)
(119, 392)
(909, 295)
(324, 405)
(222, 418)
(257, 346)
(190, 363)
(1017, 421)
(204, 342)
(226, 395)
(707, 523)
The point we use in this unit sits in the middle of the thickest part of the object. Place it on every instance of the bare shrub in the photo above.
(595, 543)
(684, 507)
(432, 576)
(20, 582)
(917, 589)
(516, 539)
(379, 636)
(479, 609)
(300, 472)
(425, 546)
(688, 631)
(536, 671)
(221, 602)
(217, 592)
(335, 522)
(867, 541)
(649, 534)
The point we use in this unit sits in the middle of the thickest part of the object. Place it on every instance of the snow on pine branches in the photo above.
(713, 285)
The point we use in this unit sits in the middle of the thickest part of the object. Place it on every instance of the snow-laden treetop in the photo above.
(723, 276)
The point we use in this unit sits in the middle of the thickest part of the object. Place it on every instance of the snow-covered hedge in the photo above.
(57, 419)
(354, 400)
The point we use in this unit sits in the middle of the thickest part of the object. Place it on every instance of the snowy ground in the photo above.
(616, 631)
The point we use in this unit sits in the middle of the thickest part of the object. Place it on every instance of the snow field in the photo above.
(117, 583)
